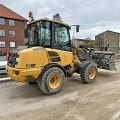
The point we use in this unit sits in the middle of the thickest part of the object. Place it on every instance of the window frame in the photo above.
(11, 34)
(3, 33)
(11, 22)
(3, 22)
(13, 45)
(37, 37)
(1, 44)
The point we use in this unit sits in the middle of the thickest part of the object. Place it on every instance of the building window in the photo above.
(2, 43)
(106, 37)
(12, 44)
(11, 23)
(12, 33)
(2, 32)
(2, 21)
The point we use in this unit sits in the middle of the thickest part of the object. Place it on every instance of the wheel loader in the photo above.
(49, 56)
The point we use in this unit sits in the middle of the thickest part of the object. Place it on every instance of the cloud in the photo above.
(94, 16)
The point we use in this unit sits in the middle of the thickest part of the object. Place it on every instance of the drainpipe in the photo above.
(104, 41)
(25, 39)
(119, 43)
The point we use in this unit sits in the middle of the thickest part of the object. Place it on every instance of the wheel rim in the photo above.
(54, 81)
(92, 73)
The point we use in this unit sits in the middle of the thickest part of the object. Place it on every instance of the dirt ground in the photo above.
(76, 101)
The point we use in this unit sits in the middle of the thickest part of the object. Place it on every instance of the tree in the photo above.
(57, 17)
(89, 43)
(99, 43)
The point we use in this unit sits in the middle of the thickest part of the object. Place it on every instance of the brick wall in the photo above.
(19, 34)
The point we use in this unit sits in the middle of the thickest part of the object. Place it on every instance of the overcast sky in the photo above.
(93, 16)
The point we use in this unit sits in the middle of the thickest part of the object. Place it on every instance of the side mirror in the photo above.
(77, 28)
(26, 35)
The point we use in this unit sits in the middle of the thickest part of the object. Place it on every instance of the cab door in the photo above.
(62, 40)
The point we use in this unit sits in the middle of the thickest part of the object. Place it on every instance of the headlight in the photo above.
(30, 65)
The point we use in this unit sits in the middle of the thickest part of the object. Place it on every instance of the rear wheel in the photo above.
(90, 73)
(51, 81)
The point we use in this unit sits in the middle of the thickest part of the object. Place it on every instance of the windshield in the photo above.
(49, 34)
(39, 33)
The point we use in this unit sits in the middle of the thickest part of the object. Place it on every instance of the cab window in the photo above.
(62, 37)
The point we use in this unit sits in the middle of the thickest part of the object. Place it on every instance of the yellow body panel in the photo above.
(23, 73)
(33, 55)
(39, 57)
(65, 56)
(74, 60)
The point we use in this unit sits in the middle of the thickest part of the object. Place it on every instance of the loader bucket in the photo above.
(104, 59)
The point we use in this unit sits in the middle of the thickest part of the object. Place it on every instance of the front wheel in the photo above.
(90, 73)
(51, 81)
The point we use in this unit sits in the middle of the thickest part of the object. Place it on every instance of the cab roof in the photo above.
(48, 20)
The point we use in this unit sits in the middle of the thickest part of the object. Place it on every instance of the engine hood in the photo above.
(18, 49)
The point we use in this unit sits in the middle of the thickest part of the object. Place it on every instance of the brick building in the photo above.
(11, 29)
(109, 41)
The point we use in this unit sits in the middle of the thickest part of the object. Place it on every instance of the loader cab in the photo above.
(48, 34)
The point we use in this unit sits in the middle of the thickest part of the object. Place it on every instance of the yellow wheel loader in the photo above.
(49, 57)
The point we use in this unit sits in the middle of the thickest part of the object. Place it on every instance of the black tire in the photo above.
(90, 73)
(51, 81)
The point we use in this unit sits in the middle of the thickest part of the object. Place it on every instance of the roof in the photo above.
(7, 13)
(108, 31)
(49, 20)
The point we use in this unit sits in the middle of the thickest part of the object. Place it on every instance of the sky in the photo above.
(93, 16)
